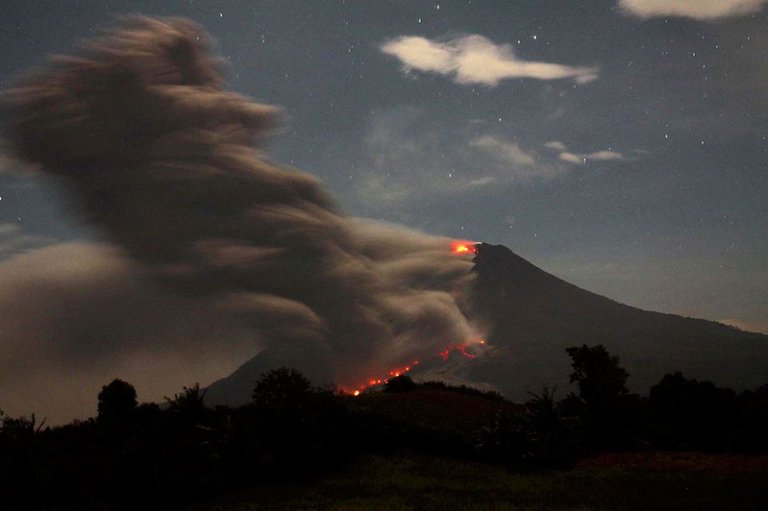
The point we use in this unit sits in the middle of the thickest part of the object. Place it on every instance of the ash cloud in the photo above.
(161, 156)
(73, 316)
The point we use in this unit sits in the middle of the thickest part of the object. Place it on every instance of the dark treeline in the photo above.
(183, 451)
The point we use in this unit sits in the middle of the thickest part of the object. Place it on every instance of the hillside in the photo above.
(533, 316)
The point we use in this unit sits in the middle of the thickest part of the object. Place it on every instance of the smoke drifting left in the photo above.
(162, 157)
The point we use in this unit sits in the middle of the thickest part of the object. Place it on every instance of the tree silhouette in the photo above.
(602, 391)
(117, 401)
(508, 439)
(691, 412)
(189, 405)
(598, 374)
(20, 427)
(543, 409)
(282, 388)
(752, 421)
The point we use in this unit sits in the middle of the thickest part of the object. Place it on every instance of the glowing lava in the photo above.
(457, 248)
(394, 373)
(460, 348)
(463, 247)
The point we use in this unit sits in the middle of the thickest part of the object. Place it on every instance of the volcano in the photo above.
(531, 317)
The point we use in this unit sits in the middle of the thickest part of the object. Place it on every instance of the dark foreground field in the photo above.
(407, 481)
(689, 445)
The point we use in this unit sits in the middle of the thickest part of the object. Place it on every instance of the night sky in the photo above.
(620, 145)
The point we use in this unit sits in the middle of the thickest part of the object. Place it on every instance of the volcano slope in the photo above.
(531, 317)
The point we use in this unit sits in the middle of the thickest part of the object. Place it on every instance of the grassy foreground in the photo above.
(620, 482)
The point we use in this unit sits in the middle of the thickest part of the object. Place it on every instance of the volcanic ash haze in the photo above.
(161, 156)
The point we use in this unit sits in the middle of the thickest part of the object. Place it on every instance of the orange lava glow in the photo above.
(394, 373)
(399, 371)
(460, 348)
(463, 247)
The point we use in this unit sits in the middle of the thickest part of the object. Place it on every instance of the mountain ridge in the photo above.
(538, 315)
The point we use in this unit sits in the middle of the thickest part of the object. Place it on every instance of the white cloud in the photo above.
(605, 156)
(508, 161)
(421, 53)
(509, 152)
(475, 59)
(554, 144)
(409, 160)
(570, 157)
(482, 181)
(697, 9)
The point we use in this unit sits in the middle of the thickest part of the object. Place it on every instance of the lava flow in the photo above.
(457, 248)
(461, 348)
(394, 373)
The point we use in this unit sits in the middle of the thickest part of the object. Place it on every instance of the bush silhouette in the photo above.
(282, 388)
(691, 412)
(598, 374)
(607, 409)
(189, 405)
(402, 383)
(751, 421)
(117, 401)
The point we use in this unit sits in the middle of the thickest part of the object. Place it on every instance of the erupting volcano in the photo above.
(263, 247)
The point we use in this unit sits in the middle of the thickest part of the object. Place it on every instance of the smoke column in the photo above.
(161, 156)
